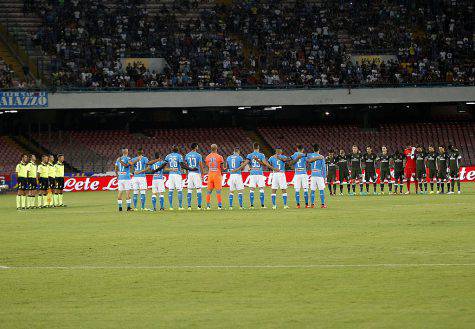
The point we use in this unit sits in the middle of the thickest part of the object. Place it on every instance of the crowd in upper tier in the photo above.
(251, 42)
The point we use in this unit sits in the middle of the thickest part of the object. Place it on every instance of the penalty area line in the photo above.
(269, 266)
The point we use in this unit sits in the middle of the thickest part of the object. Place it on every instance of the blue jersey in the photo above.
(139, 166)
(277, 163)
(123, 172)
(234, 161)
(158, 174)
(318, 167)
(300, 166)
(256, 167)
(193, 160)
(174, 160)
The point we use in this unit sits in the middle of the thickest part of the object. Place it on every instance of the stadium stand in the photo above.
(245, 43)
(10, 154)
(394, 136)
(96, 151)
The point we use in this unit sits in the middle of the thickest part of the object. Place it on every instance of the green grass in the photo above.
(137, 276)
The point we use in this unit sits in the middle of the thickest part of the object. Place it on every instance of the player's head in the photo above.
(441, 149)
(194, 146)
(316, 148)
(354, 149)
(431, 148)
(24, 157)
(369, 149)
(331, 153)
(450, 147)
(299, 147)
(61, 157)
(125, 151)
(384, 149)
(157, 155)
(255, 146)
(32, 157)
(278, 151)
(51, 158)
(237, 150)
(342, 152)
(419, 148)
(44, 158)
(175, 149)
(140, 151)
(214, 148)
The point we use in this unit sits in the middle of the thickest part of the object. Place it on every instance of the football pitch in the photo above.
(365, 262)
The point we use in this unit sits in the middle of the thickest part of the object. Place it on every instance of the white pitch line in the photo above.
(159, 267)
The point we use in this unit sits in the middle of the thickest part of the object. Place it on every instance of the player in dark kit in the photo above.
(355, 162)
(369, 161)
(454, 167)
(384, 160)
(421, 176)
(441, 163)
(331, 172)
(431, 157)
(398, 159)
(343, 171)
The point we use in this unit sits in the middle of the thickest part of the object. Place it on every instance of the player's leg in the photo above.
(240, 188)
(232, 188)
(297, 187)
(128, 201)
(330, 184)
(19, 194)
(189, 190)
(143, 192)
(274, 185)
(154, 195)
(218, 187)
(367, 179)
(252, 186)
(321, 189)
(60, 187)
(360, 180)
(171, 190)
(179, 188)
(119, 196)
(313, 188)
(305, 189)
(135, 187)
(383, 180)
(261, 183)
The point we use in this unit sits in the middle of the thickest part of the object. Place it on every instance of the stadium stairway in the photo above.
(9, 58)
(32, 147)
(257, 138)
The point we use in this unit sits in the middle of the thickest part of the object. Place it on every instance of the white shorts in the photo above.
(158, 186)
(279, 181)
(257, 181)
(139, 183)
(301, 181)
(175, 182)
(194, 180)
(317, 183)
(124, 185)
(235, 182)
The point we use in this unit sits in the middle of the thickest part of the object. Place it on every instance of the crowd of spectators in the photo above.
(8, 79)
(256, 42)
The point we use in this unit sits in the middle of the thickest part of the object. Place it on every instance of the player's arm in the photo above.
(294, 161)
(185, 166)
(241, 167)
(202, 167)
(135, 161)
(311, 160)
(116, 170)
(151, 162)
(267, 164)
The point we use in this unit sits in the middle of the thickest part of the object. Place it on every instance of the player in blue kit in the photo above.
(235, 182)
(122, 171)
(195, 160)
(317, 178)
(139, 180)
(279, 181)
(158, 182)
(175, 181)
(299, 162)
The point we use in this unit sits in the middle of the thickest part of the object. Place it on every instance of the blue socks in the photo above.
(261, 197)
(251, 198)
(188, 197)
(312, 197)
(231, 198)
(170, 198)
(240, 199)
(284, 198)
(142, 200)
(162, 201)
(322, 196)
(180, 199)
(297, 197)
(199, 197)
(154, 202)
(273, 199)
(136, 199)
(305, 196)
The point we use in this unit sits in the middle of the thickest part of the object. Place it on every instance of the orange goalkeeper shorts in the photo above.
(215, 181)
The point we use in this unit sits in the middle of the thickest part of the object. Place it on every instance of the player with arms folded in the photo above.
(235, 182)
(356, 172)
(122, 171)
(175, 181)
(195, 181)
(279, 181)
(343, 171)
(318, 174)
(216, 166)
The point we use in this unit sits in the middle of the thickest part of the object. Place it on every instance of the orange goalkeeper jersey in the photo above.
(214, 161)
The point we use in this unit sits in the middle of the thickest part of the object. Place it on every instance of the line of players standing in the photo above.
(436, 167)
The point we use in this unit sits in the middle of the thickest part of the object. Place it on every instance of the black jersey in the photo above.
(420, 161)
(331, 164)
(384, 161)
(441, 161)
(399, 162)
(342, 161)
(454, 160)
(369, 160)
(355, 161)
(431, 158)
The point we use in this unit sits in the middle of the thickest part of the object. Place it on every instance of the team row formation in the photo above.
(406, 165)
